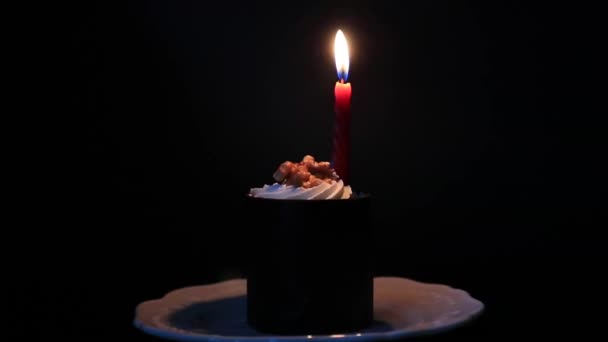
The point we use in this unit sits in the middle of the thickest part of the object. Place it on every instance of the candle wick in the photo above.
(342, 80)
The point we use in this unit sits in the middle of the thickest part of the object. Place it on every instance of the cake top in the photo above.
(307, 179)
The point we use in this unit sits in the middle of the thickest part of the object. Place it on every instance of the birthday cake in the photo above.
(310, 267)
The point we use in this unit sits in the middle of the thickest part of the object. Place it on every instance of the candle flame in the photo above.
(341, 54)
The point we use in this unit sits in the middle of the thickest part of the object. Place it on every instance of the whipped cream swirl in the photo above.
(323, 191)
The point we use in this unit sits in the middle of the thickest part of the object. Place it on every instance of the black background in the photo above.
(471, 128)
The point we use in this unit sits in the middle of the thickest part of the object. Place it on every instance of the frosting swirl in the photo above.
(323, 191)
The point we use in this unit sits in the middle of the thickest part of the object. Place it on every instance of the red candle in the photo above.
(342, 91)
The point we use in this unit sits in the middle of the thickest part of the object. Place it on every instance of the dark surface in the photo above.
(474, 127)
(309, 266)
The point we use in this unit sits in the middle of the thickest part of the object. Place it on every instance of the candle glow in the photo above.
(341, 55)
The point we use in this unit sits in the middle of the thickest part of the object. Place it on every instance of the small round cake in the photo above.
(309, 263)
